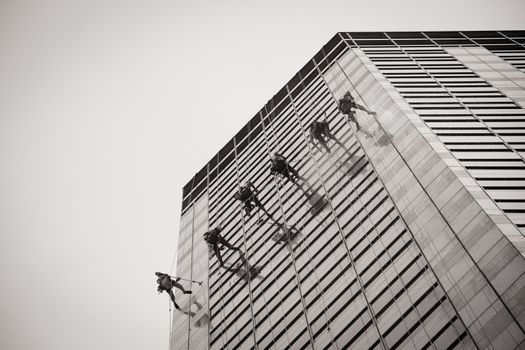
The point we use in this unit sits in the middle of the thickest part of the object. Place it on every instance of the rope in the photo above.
(344, 189)
(244, 238)
(222, 285)
(170, 323)
(173, 261)
(224, 335)
(285, 229)
(307, 249)
(267, 134)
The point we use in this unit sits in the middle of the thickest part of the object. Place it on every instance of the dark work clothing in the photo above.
(287, 171)
(249, 203)
(213, 238)
(248, 197)
(320, 131)
(317, 129)
(220, 240)
(172, 296)
(279, 165)
(353, 118)
(244, 194)
(346, 104)
(217, 252)
(253, 200)
(166, 283)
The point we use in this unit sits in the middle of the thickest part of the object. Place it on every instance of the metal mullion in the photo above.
(223, 332)
(285, 225)
(191, 264)
(245, 247)
(208, 274)
(349, 254)
(332, 341)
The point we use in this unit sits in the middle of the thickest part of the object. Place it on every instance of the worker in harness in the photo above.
(320, 131)
(166, 284)
(347, 106)
(280, 166)
(247, 194)
(213, 238)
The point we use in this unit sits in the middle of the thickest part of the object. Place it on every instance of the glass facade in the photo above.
(408, 234)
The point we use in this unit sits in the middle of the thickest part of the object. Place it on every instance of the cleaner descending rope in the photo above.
(347, 106)
(247, 194)
(320, 131)
(213, 238)
(281, 166)
(166, 283)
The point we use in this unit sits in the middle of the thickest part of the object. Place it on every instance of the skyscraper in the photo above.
(407, 232)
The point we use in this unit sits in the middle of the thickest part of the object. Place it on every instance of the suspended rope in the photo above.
(308, 239)
(173, 262)
(222, 286)
(170, 323)
(224, 335)
(303, 216)
(345, 191)
(316, 201)
(269, 131)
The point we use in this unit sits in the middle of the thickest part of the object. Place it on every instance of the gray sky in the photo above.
(108, 108)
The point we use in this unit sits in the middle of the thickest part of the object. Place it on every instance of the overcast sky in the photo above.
(108, 108)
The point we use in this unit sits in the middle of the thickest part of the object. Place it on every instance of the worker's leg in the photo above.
(328, 133)
(354, 118)
(260, 205)
(294, 172)
(179, 286)
(324, 143)
(172, 296)
(217, 252)
(257, 202)
(227, 244)
(283, 171)
(288, 176)
(248, 207)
